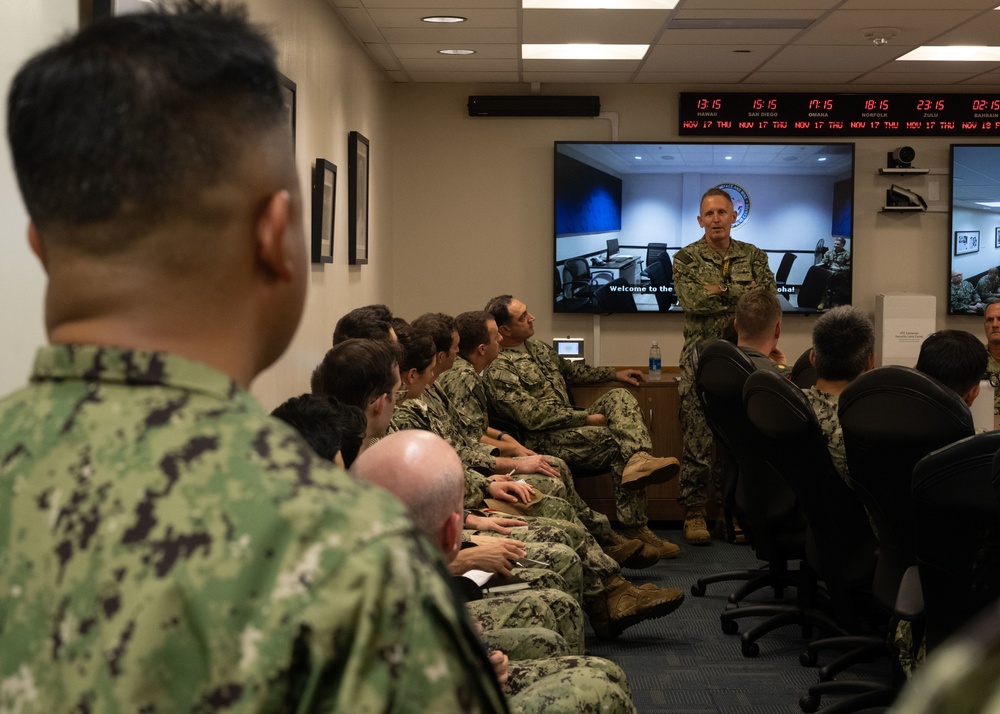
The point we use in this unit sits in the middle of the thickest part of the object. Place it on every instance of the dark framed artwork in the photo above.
(324, 204)
(997, 238)
(358, 160)
(90, 10)
(288, 99)
(966, 242)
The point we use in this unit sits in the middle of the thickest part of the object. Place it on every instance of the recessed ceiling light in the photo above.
(638, 158)
(444, 18)
(821, 158)
(953, 53)
(456, 52)
(729, 158)
(598, 4)
(584, 52)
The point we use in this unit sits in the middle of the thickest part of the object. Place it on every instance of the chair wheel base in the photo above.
(698, 590)
(730, 627)
(749, 649)
(808, 703)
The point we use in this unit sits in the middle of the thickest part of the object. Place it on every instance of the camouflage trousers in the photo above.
(520, 643)
(580, 685)
(699, 465)
(551, 545)
(595, 448)
(565, 488)
(550, 609)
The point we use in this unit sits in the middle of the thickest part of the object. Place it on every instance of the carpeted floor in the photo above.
(683, 663)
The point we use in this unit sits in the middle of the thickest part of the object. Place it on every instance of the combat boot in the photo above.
(622, 605)
(644, 469)
(695, 528)
(631, 552)
(664, 548)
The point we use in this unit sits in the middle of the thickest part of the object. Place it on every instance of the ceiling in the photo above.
(786, 43)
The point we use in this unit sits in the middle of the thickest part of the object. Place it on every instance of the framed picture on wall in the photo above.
(288, 99)
(90, 10)
(324, 196)
(966, 242)
(357, 198)
(997, 239)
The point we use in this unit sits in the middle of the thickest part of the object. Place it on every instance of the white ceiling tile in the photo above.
(592, 26)
(362, 25)
(855, 59)
(491, 77)
(577, 77)
(411, 17)
(483, 51)
(447, 37)
(779, 79)
(686, 58)
(459, 64)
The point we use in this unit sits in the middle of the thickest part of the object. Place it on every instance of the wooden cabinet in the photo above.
(660, 403)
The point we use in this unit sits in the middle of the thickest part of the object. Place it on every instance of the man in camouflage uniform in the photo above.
(843, 349)
(963, 298)
(758, 327)
(992, 326)
(837, 259)
(710, 275)
(527, 384)
(479, 345)
(167, 545)
(424, 472)
(988, 287)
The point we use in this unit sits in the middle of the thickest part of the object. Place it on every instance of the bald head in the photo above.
(423, 471)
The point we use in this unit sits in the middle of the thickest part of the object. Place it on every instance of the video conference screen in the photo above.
(622, 210)
(975, 228)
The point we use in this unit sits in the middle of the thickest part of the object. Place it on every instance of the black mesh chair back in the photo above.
(665, 295)
(615, 297)
(840, 544)
(564, 297)
(814, 287)
(784, 268)
(957, 521)
(803, 372)
(892, 417)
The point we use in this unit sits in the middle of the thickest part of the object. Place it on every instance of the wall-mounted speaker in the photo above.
(534, 106)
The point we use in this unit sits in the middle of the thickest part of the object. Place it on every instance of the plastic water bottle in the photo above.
(654, 363)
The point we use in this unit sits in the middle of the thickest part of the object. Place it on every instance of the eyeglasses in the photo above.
(994, 379)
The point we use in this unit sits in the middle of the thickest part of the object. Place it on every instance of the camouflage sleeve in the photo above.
(762, 275)
(477, 488)
(467, 412)
(689, 282)
(409, 416)
(515, 402)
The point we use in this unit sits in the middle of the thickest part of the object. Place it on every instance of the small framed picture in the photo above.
(288, 99)
(324, 202)
(997, 239)
(966, 242)
(357, 198)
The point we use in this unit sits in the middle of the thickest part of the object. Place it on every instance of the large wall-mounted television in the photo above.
(795, 201)
(974, 238)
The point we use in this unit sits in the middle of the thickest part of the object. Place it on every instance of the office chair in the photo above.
(653, 253)
(957, 521)
(784, 268)
(814, 287)
(840, 547)
(658, 278)
(803, 373)
(611, 300)
(764, 504)
(820, 251)
(567, 301)
(580, 281)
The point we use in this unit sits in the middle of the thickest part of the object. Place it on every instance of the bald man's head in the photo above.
(423, 471)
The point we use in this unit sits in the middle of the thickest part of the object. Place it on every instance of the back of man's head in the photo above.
(499, 308)
(371, 322)
(328, 425)
(757, 314)
(356, 371)
(423, 471)
(843, 343)
(955, 358)
(416, 349)
(473, 330)
(440, 328)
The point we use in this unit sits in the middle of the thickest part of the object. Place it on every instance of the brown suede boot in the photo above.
(622, 605)
(644, 469)
(631, 552)
(664, 548)
(695, 528)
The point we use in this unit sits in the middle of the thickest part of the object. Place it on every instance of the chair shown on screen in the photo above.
(781, 275)
(957, 518)
(764, 504)
(841, 545)
(661, 278)
(820, 251)
(564, 297)
(580, 282)
(610, 300)
(814, 288)
(653, 253)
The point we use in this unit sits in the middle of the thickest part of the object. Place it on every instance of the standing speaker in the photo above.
(534, 106)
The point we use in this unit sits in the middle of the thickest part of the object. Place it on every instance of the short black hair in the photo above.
(133, 117)
(473, 330)
(440, 328)
(371, 322)
(955, 358)
(417, 347)
(327, 425)
(499, 307)
(843, 343)
(356, 371)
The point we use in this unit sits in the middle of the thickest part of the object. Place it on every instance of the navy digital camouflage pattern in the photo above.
(169, 547)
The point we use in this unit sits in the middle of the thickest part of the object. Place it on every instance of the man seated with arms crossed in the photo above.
(991, 325)
(839, 258)
(988, 287)
(527, 383)
(956, 359)
(479, 345)
(843, 349)
(758, 327)
(425, 473)
(168, 546)
(963, 297)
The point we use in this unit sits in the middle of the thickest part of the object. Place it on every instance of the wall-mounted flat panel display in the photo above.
(795, 201)
(974, 235)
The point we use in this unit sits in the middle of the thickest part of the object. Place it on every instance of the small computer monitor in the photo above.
(612, 247)
(570, 348)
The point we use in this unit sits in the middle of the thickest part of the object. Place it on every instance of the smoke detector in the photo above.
(880, 36)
